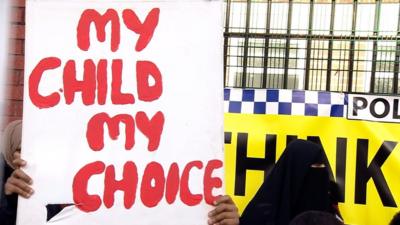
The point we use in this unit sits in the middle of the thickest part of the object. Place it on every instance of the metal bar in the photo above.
(343, 66)
(330, 46)
(266, 44)
(356, 61)
(320, 63)
(340, 70)
(352, 47)
(375, 45)
(226, 39)
(397, 59)
(385, 62)
(246, 44)
(308, 46)
(287, 50)
(313, 36)
(313, 66)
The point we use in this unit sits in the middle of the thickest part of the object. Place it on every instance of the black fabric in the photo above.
(8, 203)
(292, 187)
(315, 218)
(314, 193)
(53, 210)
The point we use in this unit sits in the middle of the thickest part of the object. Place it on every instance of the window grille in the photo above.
(335, 45)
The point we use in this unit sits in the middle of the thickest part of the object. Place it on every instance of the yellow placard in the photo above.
(341, 138)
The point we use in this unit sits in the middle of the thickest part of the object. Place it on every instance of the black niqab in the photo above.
(292, 187)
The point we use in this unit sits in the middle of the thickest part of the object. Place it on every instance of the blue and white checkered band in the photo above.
(285, 102)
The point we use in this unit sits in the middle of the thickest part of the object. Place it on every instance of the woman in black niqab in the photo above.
(299, 182)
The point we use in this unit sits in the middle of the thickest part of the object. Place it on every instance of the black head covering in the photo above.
(292, 187)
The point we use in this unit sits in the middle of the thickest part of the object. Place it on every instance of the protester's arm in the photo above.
(225, 212)
(19, 182)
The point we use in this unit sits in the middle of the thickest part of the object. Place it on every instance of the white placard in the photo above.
(374, 108)
(153, 67)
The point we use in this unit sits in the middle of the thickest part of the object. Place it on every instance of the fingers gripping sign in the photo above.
(19, 182)
(225, 212)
